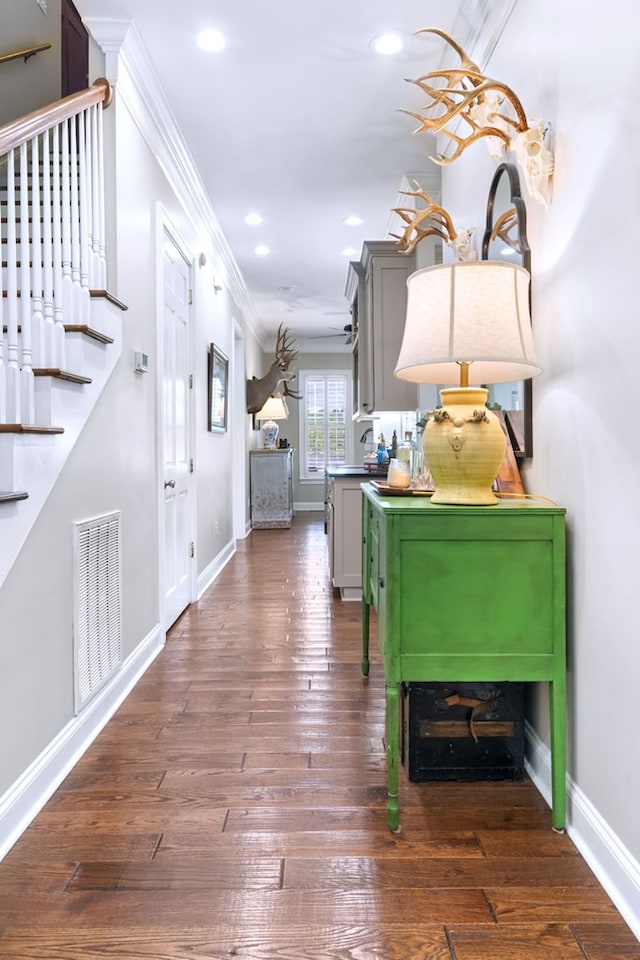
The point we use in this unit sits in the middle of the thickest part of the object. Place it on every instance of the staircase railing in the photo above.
(28, 52)
(53, 238)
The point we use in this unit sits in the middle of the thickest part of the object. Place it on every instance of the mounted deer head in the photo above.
(259, 390)
(490, 109)
(432, 220)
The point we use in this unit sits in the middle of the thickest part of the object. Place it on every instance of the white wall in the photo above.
(576, 65)
(115, 462)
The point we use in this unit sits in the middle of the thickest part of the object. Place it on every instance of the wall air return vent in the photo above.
(96, 633)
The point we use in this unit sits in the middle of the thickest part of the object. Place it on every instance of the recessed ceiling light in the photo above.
(349, 252)
(211, 40)
(353, 221)
(253, 219)
(388, 43)
(262, 251)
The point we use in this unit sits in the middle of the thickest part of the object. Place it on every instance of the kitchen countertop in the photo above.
(358, 470)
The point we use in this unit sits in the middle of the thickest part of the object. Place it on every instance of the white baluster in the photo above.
(75, 220)
(41, 348)
(102, 280)
(67, 279)
(83, 226)
(58, 295)
(92, 165)
(12, 412)
(47, 254)
(27, 402)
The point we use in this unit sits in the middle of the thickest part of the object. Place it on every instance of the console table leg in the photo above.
(558, 708)
(392, 715)
(365, 638)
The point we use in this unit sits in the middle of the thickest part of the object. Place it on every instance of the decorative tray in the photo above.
(390, 491)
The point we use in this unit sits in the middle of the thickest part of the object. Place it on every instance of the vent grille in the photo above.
(96, 634)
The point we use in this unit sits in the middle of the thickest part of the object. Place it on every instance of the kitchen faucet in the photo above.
(368, 431)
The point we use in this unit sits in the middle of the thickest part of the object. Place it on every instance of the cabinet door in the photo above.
(382, 327)
(347, 534)
(361, 371)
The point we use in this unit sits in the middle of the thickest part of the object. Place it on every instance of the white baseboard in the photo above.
(213, 570)
(617, 871)
(308, 506)
(26, 797)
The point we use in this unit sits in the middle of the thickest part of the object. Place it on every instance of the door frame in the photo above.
(241, 527)
(166, 228)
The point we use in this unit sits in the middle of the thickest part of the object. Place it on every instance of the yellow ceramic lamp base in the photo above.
(464, 446)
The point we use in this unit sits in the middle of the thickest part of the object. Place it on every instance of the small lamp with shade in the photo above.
(275, 408)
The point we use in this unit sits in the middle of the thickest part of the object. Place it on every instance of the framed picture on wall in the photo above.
(218, 381)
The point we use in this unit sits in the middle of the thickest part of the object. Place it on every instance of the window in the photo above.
(324, 435)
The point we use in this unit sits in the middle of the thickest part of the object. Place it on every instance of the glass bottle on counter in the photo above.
(407, 452)
(383, 455)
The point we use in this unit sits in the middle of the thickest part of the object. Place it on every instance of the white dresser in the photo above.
(271, 478)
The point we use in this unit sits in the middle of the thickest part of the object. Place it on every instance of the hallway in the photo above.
(235, 806)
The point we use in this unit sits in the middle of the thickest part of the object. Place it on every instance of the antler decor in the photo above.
(491, 110)
(503, 227)
(432, 220)
(259, 390)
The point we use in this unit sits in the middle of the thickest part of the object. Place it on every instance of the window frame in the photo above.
(325, 373)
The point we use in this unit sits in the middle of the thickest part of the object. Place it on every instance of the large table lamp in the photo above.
(467, 324)
(275, 408)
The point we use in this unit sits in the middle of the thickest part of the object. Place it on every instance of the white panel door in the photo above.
(177, 526)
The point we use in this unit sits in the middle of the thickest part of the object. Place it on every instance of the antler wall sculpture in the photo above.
(259, 390)
(432, 220)
(490, 109)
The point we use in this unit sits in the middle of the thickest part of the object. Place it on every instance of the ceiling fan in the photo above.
(346, 332)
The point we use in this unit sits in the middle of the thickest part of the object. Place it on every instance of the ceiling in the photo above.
(298, 119)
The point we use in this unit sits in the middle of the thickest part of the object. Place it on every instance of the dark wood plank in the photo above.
(531, 942)
(235, 806)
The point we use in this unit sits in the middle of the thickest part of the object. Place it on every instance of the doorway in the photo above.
(74, 51)
(177, 548)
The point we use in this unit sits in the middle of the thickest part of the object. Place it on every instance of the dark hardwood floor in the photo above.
(235, 807)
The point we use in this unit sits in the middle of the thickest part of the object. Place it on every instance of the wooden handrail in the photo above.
(29, 52)
(26, 128)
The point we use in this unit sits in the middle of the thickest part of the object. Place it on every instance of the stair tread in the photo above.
(88, 332)
(28, 428)
(105, 295)
(59, 374)
(10, 496)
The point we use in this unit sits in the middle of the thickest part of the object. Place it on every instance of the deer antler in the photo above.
(285, 351)
(439, 222)
(290, 393)
(433, 220)
(504, 225)
(468, 94)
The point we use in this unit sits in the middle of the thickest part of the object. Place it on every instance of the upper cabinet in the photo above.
(377, 295)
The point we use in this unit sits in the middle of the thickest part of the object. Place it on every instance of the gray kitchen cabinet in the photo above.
(377, 294)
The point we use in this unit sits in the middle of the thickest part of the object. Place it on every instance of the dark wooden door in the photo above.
(74, 50)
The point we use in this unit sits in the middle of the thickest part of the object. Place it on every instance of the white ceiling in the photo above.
(298, 118)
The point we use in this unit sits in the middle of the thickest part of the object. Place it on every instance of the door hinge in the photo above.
(190, 297)
(190, 464)
(192, 549)
(190, 381)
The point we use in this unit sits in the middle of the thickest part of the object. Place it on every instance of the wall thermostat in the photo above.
(141, 362)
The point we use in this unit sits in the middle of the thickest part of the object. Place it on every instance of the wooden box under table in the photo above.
(463, 731)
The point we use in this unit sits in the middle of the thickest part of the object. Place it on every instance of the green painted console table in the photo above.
(466, 594)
